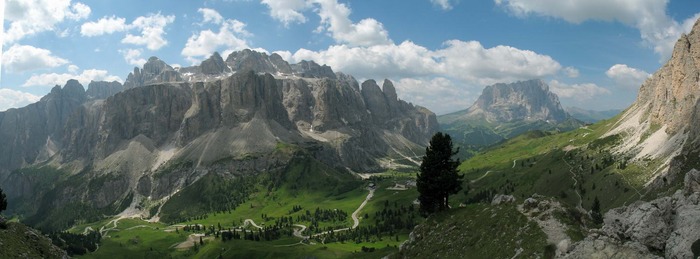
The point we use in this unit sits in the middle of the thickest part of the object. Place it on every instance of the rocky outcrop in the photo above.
(103, 89)
(668, 225)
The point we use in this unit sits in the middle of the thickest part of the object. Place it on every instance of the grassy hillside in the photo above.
(568, 165)
(476, 135)
(20, 241)
(479, 231)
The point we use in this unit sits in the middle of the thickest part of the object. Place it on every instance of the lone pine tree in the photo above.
(438, 177)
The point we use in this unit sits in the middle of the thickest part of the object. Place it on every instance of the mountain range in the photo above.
(115, 146)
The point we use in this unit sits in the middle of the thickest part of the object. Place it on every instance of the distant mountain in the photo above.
(165, 128)
(591, 116)
(504, 111)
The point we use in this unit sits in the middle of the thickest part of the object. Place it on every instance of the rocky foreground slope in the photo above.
(166, 127)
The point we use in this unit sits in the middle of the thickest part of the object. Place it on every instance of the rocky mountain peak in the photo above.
(524, 100)
(247, 59)
(153, 71)
(214, 65)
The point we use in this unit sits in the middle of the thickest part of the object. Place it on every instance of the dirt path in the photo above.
(573, 176)
(482, 177)
(251, 222)
(514, 160)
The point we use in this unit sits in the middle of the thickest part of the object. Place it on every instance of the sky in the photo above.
(594, 54)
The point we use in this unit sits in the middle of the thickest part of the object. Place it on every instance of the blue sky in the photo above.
(440, 53)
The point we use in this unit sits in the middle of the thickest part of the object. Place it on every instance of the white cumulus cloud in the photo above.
(444, 4)
(468, 61)
(51, 79)
(440, 94)
(133, 57)
(211, 16)
(577, 91)
(473, 62)
(20, 58)
(105, 25)
(627, 77)
(14, 99)
(287, 11)
(231, 36)
(336, 21)
(29, 17)
(152, 28)
(571, 72)
(650, 17)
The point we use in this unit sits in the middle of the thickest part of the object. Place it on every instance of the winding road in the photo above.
(356, 221)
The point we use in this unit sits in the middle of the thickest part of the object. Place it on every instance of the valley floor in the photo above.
(203, 237)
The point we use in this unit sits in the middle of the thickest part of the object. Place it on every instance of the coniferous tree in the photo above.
(595, 211)
(438, 177)
(3, 201)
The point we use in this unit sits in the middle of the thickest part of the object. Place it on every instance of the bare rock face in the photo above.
(647, 223)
